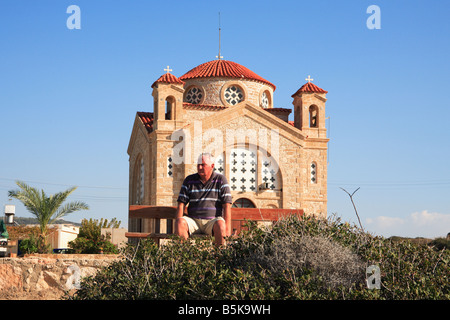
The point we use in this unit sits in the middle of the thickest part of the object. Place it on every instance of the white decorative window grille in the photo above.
(269, 174)
(313, 172)
(219, 164)
(264, 100)
(194, 95)
(170, 167)
(243, 170)
(234, 95)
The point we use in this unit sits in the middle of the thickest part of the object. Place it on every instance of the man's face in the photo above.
(205, 168)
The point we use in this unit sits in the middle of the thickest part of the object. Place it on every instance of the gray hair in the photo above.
(205, 154)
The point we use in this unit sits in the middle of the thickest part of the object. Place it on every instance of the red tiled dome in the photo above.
(310, 87)
(168, 78)
(223, 68)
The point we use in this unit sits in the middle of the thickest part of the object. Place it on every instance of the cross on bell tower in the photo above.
(309, 79)
(168, 69)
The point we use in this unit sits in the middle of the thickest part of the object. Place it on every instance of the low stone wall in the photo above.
(42, 277)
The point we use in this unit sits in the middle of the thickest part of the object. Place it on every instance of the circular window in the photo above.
(264, 100)
(194, 95)
(234, 95)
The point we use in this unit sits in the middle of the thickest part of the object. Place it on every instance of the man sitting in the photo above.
(209, 197)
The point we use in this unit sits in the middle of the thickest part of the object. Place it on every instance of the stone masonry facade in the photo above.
(36, 277)
(271, 162)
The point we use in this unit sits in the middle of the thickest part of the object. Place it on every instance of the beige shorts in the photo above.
(199, 226)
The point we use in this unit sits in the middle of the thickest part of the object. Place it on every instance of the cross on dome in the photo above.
(309, 79)
(168, 70)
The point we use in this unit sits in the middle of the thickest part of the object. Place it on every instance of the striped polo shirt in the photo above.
(205, 200)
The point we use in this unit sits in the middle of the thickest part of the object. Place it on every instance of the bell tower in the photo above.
(168, 101)
(309, 109)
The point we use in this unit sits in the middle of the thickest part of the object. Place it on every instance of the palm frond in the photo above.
(46, 208)
(69, 208)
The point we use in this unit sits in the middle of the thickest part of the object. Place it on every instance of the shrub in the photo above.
(91, 240)
(35, 243)
(440, 243)
(295, 259)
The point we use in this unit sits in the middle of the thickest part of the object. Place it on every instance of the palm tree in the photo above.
(45, 208)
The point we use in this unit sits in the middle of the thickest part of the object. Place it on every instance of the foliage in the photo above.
(34, 243)
(295, 259)
(21, 232)
(46, 208)
(441, 243)
(90, 238)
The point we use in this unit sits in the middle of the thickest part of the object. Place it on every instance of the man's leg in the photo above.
(220, 232)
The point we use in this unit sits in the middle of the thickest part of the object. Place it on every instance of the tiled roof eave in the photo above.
(187, 105)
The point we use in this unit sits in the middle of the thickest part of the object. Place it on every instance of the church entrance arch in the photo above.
(243, 203)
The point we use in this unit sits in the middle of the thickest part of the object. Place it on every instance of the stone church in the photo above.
(226, 109)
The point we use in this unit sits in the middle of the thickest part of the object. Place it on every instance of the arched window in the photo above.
(313, 116)
(243, 203)
(169, 108)
(265, 100)
(139, 181)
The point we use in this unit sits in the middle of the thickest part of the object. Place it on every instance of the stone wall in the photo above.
(47, 277)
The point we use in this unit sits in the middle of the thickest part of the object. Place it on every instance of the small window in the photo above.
(169, 108)
(170, 167)
(243, 203)
(313, 116)
(194, 95)
(313, 172)
(139, 182)
(265, 100)
(234, 95)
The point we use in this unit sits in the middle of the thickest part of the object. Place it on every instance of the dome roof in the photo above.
(223, 68)
(167, 78)
(309, 87)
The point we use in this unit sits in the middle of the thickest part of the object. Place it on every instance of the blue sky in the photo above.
(68, 98)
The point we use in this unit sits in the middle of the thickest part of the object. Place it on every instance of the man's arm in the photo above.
(180, 209)
(227, 216)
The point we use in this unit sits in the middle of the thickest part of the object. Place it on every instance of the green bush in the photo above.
(35, 243)
(294, 259)
(440, 243)
(91, 240)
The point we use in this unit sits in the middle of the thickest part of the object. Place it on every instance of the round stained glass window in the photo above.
(234, 95)
(194, 95)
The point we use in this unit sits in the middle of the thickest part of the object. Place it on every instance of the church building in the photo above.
(223, 108)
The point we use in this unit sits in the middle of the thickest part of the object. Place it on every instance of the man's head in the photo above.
(205, 166)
